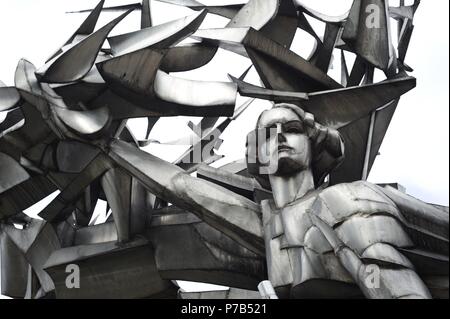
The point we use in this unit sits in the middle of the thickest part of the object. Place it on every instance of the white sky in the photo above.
(415, 152)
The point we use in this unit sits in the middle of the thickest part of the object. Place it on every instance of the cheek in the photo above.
(300, 143)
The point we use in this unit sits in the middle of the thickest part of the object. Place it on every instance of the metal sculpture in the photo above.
(312, 226)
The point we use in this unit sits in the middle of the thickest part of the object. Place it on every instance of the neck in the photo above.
(287, 189)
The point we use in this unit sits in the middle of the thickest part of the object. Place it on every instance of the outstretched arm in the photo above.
(232, 214)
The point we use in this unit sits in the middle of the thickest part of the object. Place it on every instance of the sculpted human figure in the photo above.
(348, 240)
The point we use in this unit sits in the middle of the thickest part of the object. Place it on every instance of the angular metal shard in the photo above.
(126, 7)
(121, 108)
(133, 73)
(187, 57)
(370, 37)
(405, 37)
(383, 119)
(194, 93)
(255, 14)
(283, 27)
(9, 98)
(86, 28)
(278, 67)
(85, 122)
(89, 24)
(12, 118)
(24, 195)
(11, 172)
(209, 137)
(156, 37)
(77, 61)
(344, 70)
(25, 79)
(146, 15)
(246, 89)
(324, 53)
(339, 108)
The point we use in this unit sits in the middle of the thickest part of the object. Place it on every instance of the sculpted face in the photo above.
(286, 141)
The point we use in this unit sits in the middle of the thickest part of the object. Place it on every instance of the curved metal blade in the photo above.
(160, 36)
(255, 14)
(78, 60)
(84, 122)
(188, 57)
(194, 93)
(249, 90)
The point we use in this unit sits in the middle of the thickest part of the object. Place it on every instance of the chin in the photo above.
(288, 167)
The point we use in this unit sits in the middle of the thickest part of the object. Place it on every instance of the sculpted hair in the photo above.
(326, 144)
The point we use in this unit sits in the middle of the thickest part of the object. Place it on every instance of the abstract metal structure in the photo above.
(313, 228)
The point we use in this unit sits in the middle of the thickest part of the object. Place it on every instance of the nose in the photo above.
(280, 136)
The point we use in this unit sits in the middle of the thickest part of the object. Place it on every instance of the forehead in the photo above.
(277, 115)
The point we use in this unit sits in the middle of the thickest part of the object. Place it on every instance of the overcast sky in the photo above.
(415, 152)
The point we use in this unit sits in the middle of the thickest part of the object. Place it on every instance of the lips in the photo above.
(284, 148)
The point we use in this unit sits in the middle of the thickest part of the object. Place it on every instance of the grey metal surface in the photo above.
(159, 36)
(287, 231)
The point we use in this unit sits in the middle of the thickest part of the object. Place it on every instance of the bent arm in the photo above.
(232, 214)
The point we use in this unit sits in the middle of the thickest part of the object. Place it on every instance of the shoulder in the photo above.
(341, 202)
(364, 218)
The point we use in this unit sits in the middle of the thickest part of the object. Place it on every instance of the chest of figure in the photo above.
(296, 250)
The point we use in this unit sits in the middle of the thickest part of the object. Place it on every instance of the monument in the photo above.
(296, 219)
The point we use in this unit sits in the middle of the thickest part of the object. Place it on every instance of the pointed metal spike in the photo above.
(250, 90)
(89, 24)
(77, 61)
(338, 108)
(157, 37)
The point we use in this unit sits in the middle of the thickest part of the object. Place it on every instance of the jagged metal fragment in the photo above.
(76, 61)
(146, 15)
(132, 75)
(86, 123)
(339, 108)
(208, 140)
(194, 93)
(12, 173)
(85, 29)
(156, 37)
(278, 67)
(250, 90)
(187, 57)
(367, 32)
